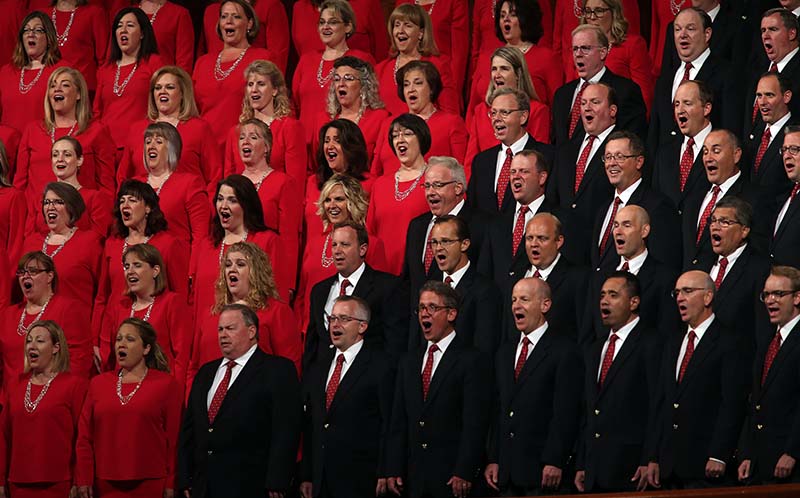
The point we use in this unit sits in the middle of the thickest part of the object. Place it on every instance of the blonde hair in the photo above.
(83, 108)
(188, 108)
(516, 58)
(619, 25)
(418, 16)
(262, 281)
(357, 201)
(281, 104)
(61, 357)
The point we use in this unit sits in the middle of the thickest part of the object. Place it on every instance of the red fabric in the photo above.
(118, 112)
(762, 148)
(519, 229)
(40, 490)
(388, 218)
(19, 108)
(273, 30)
(428, 260)
(370, 124)
(772, 352)
(175, 35)
(449, 100)
(503, 178)
(686, 74)
(34, 166)
(580, 167)
(10, 22)
(86, 45)
(608, 359)
(575, 112)
(687, 160)
(219, 394)
(723, 265)
(333, 384)
(147, 428)
(370, 35)
(660, 17)
(427, 372)
(22, 437)
(607, 231)
(630, 59)
(523, 356)
(10, 138)
(687, 356)
(70, 314)
(138, 488)
(707, 212)
(98, 215)
(12, 224)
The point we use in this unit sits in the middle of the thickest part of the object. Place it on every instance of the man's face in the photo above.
(589, 57)
(726, 239)
(692, 298)
(507, 129)
(449, 252)
(629, 232)
(527, 182)
(528, 305)
(441, 190)
(772, 103)
(720, 157)
(541, 243)
(690, 113)
(791, 161)
(234, 337)
(435, 319)
(596, 112)
(691, 39)
(623, 169)
(346, 326)
(616, 305)
(781, 309)
(777, 40)
(347, 253)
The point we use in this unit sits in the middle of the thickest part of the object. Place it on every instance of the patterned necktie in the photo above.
(427, 372)
(795, 189)
(625, 267)
(772, 352)
(762, 148)
(536, 274)
(707, 213)
(608, 359)
(428, 251)
(687, 355)
(688, 67)
(575, 113)
(219, 394)
(333, 384)
(343, 287)
(687, 160)
(580, 167)
(607, 232)
(502, 180)
(448, 280)
(723, 265)
(523, 356)
(519, 228)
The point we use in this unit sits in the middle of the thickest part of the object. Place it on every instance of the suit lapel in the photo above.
(701, 351)
(781, 359)
(359, 366)
(695, 174)
(535, 359)
(731, 279)
(243, 379)
(787, 218)
(627, 349)
(443, 369)
(364, 287)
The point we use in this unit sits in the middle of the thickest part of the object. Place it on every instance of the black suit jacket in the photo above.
(758, 67)
(536, 418)
(480, 191)
(343, 447)
(771, 175)
(666, 173)
(619, 418)
(783, 244)
(433, 439)
(701, 416)
(388, 326)
(631, 110)
(252, 445)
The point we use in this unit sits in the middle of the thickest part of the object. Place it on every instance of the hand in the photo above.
(744, 470)
(490, 474)
(187, 493)
(275, 494)
(784, 467)
(85, 491)
(380, 487)
(460, 487)
(714, 470)
(653, 475)
(2, 492)
(580, 477)
(641, 476)
(551, 477)
(98, 360)
(306, 489)
(73, 492)
(169, 493)
(395, 485)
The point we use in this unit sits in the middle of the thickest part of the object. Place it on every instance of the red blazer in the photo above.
(10, 138)
(14, 12)
(22, 437)
(129, 442)
(369, 124)
(370, 35)
(175, 35)
(12, 225)
(98, 215)
(19, 109)
(449, 99)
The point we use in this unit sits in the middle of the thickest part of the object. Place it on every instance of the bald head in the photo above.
(530, 301)
(630, 229)
(694, 293)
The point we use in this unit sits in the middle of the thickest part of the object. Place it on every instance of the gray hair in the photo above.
(452, 164)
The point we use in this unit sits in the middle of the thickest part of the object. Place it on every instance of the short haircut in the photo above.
(705, 19)
(790, 272)
(361, 232)
(791, 129)
(417, 125)
(744, 210)
(601, 37)
(635, 143)
(342, 9)
(188, 108)
(462, 229)
(60, 362)
(449, 295)
(73, 142)
(611, 94)
(732, 138)
(788, 19)
(357, 198)
(250, 202)
(452, 164)
(542, 165)
(529, 15)
(362, 306)
(559, 229)
(43, 261)
(248, 315)
(428, 70)
(523, 101)
(72, 199)
(704, 92)
(632, 285)
(173, 138)
(417, 16)
(784, 83)
(156, 222)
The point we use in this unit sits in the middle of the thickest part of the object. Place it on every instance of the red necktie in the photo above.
(428, 254)
(608, 359)
(333, 384)
(427, 372)
(502, 180)
(448, 280)
(519, 228)
(575, 113)
(580, 167)
(536, 274)
(607, 232)
(707, 213)
(687, 355)
(343, 287)
(220, 393)
(772, 351)
(773, 68)
(762, 148)
(795, 189)
(523, 356)
(687, 160)
(625, 267)
(686, 70)
(723, 265)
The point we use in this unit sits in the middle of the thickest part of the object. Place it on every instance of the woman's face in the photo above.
(39, 349)
(252, 146)
(140, 276)
(347, 84)
(34, 39)
(406, 35)
(417, 91)
(129, 34)
(130, 348)
(65, 160)
(335, 206)
(233, 24)
(406, 145)
(167, 95)
(509, 23)
(34, 281)
(54, 210)
(237, 274)
(333, 151)
(63, 94)
(230, 212)
(332, 29)
(601, 17)
(156, 153)
(503, 73)
(133, 211)
(260, 91)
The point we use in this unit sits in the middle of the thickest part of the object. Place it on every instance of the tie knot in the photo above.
(509, 153)
(692, 335)
(767, 133)
(690, 142)
(773, 68)
(723, 262)
(689, 66)
(625, 266)
(612, 338)
(591, 140)
(617, 202)
(345, 284)
(448, 280)
(230, 364)
(340, 359)
(433, 348)
(795, 189)
(526, 341)
(715, 190)
(523, 209)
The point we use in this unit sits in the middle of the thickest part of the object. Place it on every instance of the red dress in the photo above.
(220, 102)
(448, 138)
(184, 201)
(370, 125)
(22, 438)
(370, 35)
(309, 96)
(273, 30)
(70, 314)
(131, 442)
(175, 35)
(660, 17)
(97, 217)
(117, 112)
(289, 153)
(388, 218)
(449, 99)
(10, 23)
(18, 108)
(10, 138)
(34, 166)
(87, 39)
(12, 224)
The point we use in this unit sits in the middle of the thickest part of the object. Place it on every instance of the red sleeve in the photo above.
(297, 81)
(211, 160)
(479, 9)
(197, 208)
(184, 39)
(550, 73)
(277, 33)
(547, 23)
(101, 299)
(376, 170)
(449, 99)
(376, 254)
(101, 213)
(16, 226)
(172, 408)
(100, 35)
(477, 93)
(472, 145)
(84, 445)
(126, 168)
(74, 319)
(641, 68)
(656, 45)
(280, 267)
(10, 137)
(23, 159)
(105, 151)
(283, 338)
(459, 36)
(458, 139)
(177, 266)
(231, 152)
(296, 155)
(5, 436)
(558, 26)
(180, 337)
(290, 219)
(539, 123)
(379, 40)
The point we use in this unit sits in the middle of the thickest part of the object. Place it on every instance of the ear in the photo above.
(465, 245)
(156, 270)
(545, 306)
(560, 241)
(612, 110)
(787, 96)
(645, 230)
(80, 162)
(362, 250)
(634, 303)
(56, 348)
(452, 314)
(737, 155)
(146, 350)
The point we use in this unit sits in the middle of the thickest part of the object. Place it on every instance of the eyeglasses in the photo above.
(791, 149)
(596, 13)
(343, 319)
(330, 22)
(503, 113)
(617, 158)
(584, 49)
(347, 77)
(685, 291)
(431, 309)
(53, 202)
(36, 31)
(405, 133)
(30, 271)
(434, 243)
(777, 294)
(437, 185)
(723, 222)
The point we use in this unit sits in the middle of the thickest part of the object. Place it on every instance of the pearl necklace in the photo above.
(150, 182)
(433, 4)
(30, 406)
(257, 184)
(120, 89)
(53, 132)
(326, 261)
(21, 328)
(674, 6)
(62, 38)
(154, 14)
(147, 313)
(577, 9)
(61, 246)
(219, 74)
(320, 79)
(23, 88)
(401, 196)
(222, 246)
(359, 115)
(124, 400)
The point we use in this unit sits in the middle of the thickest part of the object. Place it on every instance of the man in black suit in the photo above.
(355, 277)
(440, 413)
(697, 58)
(489, 189)
(784, 236)
(678, 171)
(772, 436)
(704, 387)
(246, 444)
(537, 382)
(348, 405)
(590, 51)
(620, 394)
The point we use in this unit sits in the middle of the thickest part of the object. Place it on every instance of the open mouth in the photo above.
(499, 128)
(336, 333)
(58, 98)
(229, 31)
(332, 154)
(580, 65)
(121, 355)
(716, 239)
(33, 355)
(588, 118)
(27, 285)
(133, 279)
(441, 257)
(152, 154)
(233, 279)
(516, 186)
(402, 149)
(426, 325)
(411, 99)
(711, 168)
(52, 216)
(605, 312)
(334, 212)
(126, 214)
(619, 242)
(247, 151)
(433, 201)
(163, 99)
(61, 166)
(224, 217)
(684, 44)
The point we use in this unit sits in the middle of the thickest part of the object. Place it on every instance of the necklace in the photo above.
(124, 400)
(577, 10)
(429, 115)
(147, 313)
(30, 406)
(359, 115)
(150, 182)
(154, 14)
(257, 184)
(320, 79)
(23, 88)
(125, 245)
(120, 89)
(61, 246)
(401, 196)
(53, 132)
(62, 38)
(222, 246)
(326, 261)
(21, 328)
(219, 74)
(430, 11)
(674, 6)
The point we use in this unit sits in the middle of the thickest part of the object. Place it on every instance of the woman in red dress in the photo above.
(315, 70)
(398, 197)
(137, 407)
(12, 219)
(420, 90)
(43, 300)
(82, 32)
(274, 32)
(218, 76)
(509, 69)
(122, 83)
(67, 158)
(172, 25)
(46, 395)
(67, 112)
(368, 36)
(411, 35)
(267, 99)
(23, 81)
(354, 96)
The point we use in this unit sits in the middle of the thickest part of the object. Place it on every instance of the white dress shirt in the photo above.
(731, 261)
(456, 209)
(697, 65)
(581, 81)
(782, 213)
(456, 275)
(334, 292)
(624, 196)
(437, 356)
(534, 336)
(543, 272)
(635, 263)
(516, 148)
(235, 371)
(699, 331)
(699, 140)
(723, 189)
(595, 146)
(622, 334)
(349, 357)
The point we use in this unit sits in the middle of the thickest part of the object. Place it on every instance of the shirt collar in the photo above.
(534, 335)
(701, 329)
(733, 256)
(601, 137)
(545, 272)
(595, 78)
(635, 263)
(714, 12)
(700, 138)
(242, 360)
(786, 59)
(445, 342)
(727, 184)
(457, 275)
(516, 147)
(698, 61)
(775, 128)
(350, 353)
(788, 328)
(626, 194)
(533, 207)
(354, 277)
(626, 329)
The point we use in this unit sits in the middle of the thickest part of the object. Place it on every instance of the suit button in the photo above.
(680, 212)
(510, 414)
(758, 408)
(574, 206)
(694, 261)
(751, 136)
(675, 427)
(597, 435)
(676, 405)
(511, 435)
(759, 426)
(326, 426)
(422, 423)
(330, 346)
(424, 446)
(597, 412)
(210, 452)
(210, 429)
(597, 269)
